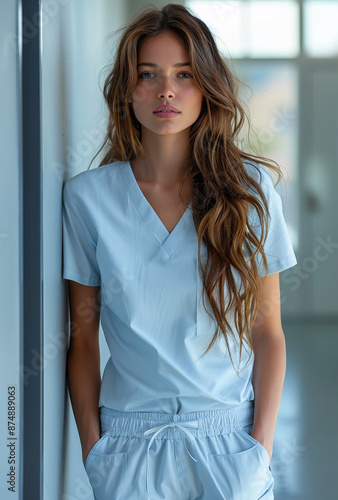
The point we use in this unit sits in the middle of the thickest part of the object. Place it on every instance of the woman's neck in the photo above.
(165, 158)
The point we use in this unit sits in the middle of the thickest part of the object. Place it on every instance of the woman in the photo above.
(175, 244)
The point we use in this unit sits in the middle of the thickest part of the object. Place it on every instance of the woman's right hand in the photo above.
(87, 447)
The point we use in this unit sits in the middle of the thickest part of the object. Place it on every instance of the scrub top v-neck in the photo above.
(168, 241)
(152, 311)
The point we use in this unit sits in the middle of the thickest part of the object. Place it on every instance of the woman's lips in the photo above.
(166, 114)
(166, 107)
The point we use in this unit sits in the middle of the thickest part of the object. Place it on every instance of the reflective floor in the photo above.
(305, 455)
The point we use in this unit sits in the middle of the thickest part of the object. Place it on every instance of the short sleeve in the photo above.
(79, 243)
(278, 247)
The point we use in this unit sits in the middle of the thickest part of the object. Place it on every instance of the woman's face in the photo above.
(162, 82)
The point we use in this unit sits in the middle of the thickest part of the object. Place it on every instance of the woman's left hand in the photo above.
(264, 441)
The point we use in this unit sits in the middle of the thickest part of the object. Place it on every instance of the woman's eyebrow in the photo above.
(152, 65)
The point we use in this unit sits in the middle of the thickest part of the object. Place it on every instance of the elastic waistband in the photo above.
(206, 423)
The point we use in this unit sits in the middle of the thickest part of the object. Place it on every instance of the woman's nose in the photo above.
(166, 88)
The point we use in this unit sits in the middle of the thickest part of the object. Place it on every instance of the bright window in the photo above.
(252, 28)
(274, 28)
(321, 28)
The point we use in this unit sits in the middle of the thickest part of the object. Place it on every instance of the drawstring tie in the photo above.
(183, 426)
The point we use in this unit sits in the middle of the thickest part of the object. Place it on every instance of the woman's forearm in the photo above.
(84, 382)
(268, 379)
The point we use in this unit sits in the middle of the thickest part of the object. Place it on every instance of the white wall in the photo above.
(54, 133)
(73, 53)
(10, 300)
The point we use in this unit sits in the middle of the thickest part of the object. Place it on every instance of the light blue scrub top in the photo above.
(152, 313)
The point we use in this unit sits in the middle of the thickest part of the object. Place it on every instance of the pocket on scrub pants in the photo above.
(243, 472)
(106, 468)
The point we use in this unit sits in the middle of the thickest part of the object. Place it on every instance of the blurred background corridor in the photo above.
(53, 57)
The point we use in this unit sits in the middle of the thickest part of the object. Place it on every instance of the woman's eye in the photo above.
(143, 74)
(146, 74)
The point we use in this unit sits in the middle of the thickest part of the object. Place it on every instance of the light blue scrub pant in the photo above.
(203, 455)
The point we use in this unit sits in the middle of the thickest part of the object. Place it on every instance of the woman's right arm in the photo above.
(83, 362)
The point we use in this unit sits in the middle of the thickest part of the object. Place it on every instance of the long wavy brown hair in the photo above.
(220, 182)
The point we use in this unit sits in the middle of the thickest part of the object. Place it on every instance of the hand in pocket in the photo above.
(86, 448)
